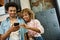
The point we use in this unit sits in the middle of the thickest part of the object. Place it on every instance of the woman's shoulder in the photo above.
(35, 20)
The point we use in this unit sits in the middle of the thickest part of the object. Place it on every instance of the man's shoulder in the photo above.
(4, 21)
(20, 20)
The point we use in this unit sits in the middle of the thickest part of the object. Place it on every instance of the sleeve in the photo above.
(25, 30)
(39, 26)
(1, 28)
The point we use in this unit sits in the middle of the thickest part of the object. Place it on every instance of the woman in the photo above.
(33, 25)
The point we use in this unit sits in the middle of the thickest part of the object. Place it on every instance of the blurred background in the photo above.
(47, 11)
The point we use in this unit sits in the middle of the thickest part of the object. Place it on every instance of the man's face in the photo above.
(12, 11)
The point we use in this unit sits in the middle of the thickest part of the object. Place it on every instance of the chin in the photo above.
(26, 20)
(13, 16)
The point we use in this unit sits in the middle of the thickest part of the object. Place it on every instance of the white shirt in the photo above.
(34, 23)
(15, 35)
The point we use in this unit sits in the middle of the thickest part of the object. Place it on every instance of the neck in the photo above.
(28, 20)
(12, 18)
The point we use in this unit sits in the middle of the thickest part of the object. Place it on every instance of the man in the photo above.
(7, 30)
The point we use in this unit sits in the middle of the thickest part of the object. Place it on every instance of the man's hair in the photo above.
(11, 4)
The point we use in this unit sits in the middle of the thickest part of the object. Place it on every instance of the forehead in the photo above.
(25, 13)
(12, 8)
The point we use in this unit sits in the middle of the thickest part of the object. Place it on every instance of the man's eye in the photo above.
(14, 10)
(10, 10)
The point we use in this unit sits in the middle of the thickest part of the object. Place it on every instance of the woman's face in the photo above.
(26, 16)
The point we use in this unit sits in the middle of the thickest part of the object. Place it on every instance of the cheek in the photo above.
(12, 13)
(26, 18)
(9, 12)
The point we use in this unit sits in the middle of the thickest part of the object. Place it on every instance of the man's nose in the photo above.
(12, 12)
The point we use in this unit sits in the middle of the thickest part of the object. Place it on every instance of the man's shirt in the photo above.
(5, 25)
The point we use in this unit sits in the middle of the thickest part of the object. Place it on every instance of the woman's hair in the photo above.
(30, 13)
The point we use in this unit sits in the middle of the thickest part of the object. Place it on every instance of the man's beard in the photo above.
(14, 16)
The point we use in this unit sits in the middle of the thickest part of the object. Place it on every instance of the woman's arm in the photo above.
(34, 29)
(37, 27)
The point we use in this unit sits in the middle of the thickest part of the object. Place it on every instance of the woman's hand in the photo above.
(25, 26)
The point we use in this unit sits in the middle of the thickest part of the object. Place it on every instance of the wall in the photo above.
(25, 4)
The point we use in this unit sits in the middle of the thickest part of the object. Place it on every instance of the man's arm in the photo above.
(7, 34)
(0, 36)
(4, 36)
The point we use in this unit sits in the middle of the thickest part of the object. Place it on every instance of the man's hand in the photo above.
(14, 28)
(7, 34)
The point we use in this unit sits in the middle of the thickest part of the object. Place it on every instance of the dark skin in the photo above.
(11, 11)
(7, 34)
